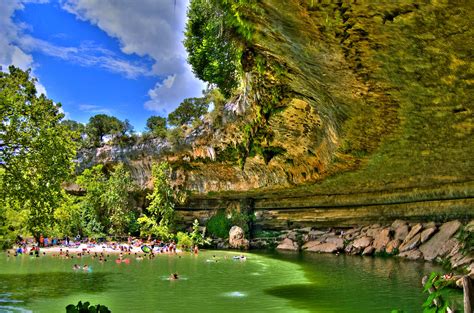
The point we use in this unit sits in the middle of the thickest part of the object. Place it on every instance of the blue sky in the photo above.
(123, 58)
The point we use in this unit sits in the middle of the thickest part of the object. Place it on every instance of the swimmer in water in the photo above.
(174, 276)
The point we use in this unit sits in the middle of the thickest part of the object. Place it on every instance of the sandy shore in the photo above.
(98, 248)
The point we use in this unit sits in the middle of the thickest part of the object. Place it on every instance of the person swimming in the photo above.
(174, 276)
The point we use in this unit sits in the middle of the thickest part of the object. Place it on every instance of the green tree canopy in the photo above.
(36, 152)
(159, 217)
(106, 206)
(212, 53)
(189, 110)
(156, 125)
(101, 125)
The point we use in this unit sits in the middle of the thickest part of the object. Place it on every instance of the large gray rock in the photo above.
(463, 261)
(287, 244)
(412, 255)
(315, 234)
(237, 238)
(433, 247)
(292, 235)
(311, 244)
(327, 247)
(368, 250)
(449, 246)
(373, 232)
(401, 231)
(392, 245)
(362, 242)
(339, 242)
(426, 234)
(410, 244)
(413, 231)
(381, 240)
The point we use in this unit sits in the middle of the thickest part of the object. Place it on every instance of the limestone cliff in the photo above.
(364, 105)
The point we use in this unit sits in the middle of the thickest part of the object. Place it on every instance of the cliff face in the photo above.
(338, 99)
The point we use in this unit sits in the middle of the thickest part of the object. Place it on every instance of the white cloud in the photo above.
(168, 94)
(87, 54)
(94, 109)
(148, 28)
(10, 53)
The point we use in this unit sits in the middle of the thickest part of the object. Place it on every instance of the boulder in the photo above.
(373, 232)
(426, 234)
(397, 223)
(392, 245)
(351, 235)
(401, 232)
(381, 240)
(429, 225)
(327, 247)
(315, 234)
(412, 255)
(432, 248)
(368, 250)
(237, 238)
(311, 244)
(463, 261)
(413, 231)
(292, 235)
(362, 242)
(288, 244)
(339, 242)
(449, 246)
(410, 244)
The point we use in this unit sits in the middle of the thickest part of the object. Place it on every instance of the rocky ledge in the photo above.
(414, 241)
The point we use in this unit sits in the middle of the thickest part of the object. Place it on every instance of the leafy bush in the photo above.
(437, 285)
(184, 240)
(219, 225)
(86, 308)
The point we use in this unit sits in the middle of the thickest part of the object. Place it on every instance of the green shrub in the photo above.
(85, 308)
(184, 240)
(219, 225)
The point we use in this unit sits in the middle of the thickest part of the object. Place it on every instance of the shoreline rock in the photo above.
(415, 241)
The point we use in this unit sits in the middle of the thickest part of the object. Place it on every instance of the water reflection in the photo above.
(33, 286)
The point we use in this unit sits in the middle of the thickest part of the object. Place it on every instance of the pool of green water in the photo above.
(276, 282)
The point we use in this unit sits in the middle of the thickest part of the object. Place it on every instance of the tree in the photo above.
(156, 125)
(106, 204)
(36, 152)
(74, 126)
(101, 125)
(93, 211)
(160, 212)
(189, 110)
(116, 199)
(213, 54)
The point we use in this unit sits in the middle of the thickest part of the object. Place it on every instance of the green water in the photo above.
(279, 282)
